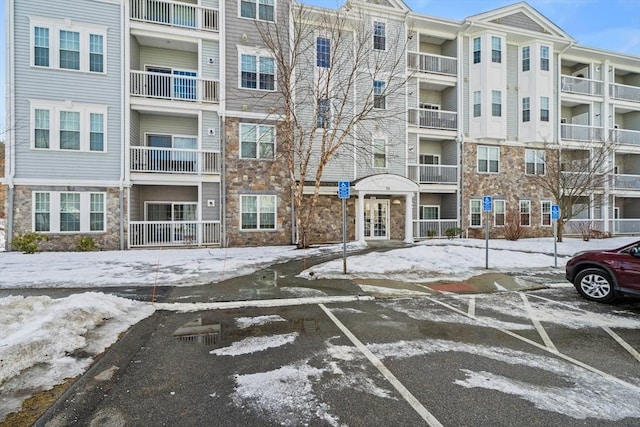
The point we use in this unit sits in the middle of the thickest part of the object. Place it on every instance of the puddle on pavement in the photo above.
(202, 330)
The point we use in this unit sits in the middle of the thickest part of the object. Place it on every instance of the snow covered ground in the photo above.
(40, 335)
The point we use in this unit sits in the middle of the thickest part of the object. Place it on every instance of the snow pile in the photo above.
(2, 234)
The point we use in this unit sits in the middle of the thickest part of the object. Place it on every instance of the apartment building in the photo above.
(157, 123)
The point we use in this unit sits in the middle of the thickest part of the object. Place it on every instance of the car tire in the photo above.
(595, 284)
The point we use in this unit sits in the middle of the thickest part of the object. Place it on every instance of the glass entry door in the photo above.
(376, 219)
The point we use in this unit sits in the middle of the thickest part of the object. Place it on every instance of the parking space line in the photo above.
(406, 394)
(472, 306)
(541, 331)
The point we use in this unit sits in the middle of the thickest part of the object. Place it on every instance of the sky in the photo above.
(605, 24)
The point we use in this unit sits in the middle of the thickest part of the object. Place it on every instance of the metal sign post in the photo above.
(343, 193)
(555, 216)
(487, 206)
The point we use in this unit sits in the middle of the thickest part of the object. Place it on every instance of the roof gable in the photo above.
(397, 5)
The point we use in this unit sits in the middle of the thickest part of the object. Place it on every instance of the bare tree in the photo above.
(329, 100)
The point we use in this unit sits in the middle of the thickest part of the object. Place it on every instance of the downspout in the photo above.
(460, 138)
(222, 119)
(124, 125)
(10, 165)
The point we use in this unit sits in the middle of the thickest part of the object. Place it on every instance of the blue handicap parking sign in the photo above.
(487, 204)
(343, 189)
(555, 212)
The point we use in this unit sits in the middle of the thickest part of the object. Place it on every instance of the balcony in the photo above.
(624, 92)
(625, 226)
(625, 136)
(433, 174)
(174, 14)
(173, 87)
(581, 86)
(431, 228)
(435, 64)
(173, 233)
(433, 119)
(581, 133)
(626, 182)
(174, 161)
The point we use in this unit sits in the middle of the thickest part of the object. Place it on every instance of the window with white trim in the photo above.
(263, 10)
(379, 98)
(258, 212)
(525, 213)
(379, 153)
(526, 58)
(58, 44)
(80, 127)
(477, 50)
(257, 72)
(477, 103)
(499, 212)
(545, 212)
(429, 212)
(379, 35)
(535, 162)
(475, 213)
(69, 212)
(257, 141)
(526, 109)
(488, 159)
(496, 49)
(544, 58)
(496, 103)
(544, 108)
(323, 52)
(323, 114)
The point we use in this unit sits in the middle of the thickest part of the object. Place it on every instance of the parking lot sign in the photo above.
(487, 204)
(343, 189)
(555, 212)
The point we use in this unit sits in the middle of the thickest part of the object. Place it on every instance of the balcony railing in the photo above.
(581, 86)
(428, 63)
(581, 225)
(175, 14)
(174, 160)
(624, 92)
(427, 228)
(433, 174)
(433, 119)
(626, 182)
(173, 233)
(174, 87)
(581, 133)
(625, 226)
(625, 136)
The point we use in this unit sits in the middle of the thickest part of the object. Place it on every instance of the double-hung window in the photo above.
(545, 211)
(544, 109)
(477, 50)
(379, 153)
(534, 162)
(258, 212)
(257, 141)
(262, 9)
(41, 46)
(475, 213)
(544, 58)
(257, 72)
(42, 128)
(526, 109)
(70, 50)
(42, 212)
(496, 103)
(496, 49)
(64, 212)
(499, 212)
(379, 98)
(525, 213)
(323, 114)
(379, 35)
(488, 159)
(477, 103)
(323, 52)
(526, 58)
(96, 53)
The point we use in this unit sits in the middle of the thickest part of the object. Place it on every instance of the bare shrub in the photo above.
(513, 230)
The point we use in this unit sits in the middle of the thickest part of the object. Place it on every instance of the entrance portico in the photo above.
(372, 214)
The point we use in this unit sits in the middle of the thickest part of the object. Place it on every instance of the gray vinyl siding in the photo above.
(174, 59)
(187, 126)
(450, 99)
(449, 206)
(513, 106)
(449, 48)
(134, 129)
(211, 191)
(468, 103)
(210, 51)
(449, 153)
(134, 54)
(135, 206)
(76, 87)
(210, 120)
(520, 20)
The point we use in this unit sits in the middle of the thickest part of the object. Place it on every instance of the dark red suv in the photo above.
(604, 275)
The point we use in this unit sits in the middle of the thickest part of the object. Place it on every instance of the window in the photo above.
(544, 109)
(379, 100)
(63, 45)
(323, 52)
(323, 118)
(496, 103)
(475, 216)
(496, 49)
(379, 36)
(545, 209)
(526, 109)
(499, 212)
(477, 46)
(525, 212)
(257, 72)
(488, 159)
(534, 162)
(58, 127)
(263, 9)
(41, 47)
(477, 104)
(429, 212)
(57, 211)
(379, 153)
(544, 58)
(258, 212)
(526, 58)
(256, 141)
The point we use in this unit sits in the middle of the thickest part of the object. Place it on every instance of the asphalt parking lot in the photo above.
(511, 358)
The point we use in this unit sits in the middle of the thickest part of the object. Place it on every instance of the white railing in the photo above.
(625, 226)
(581, 132)
(427, 228)
(433, 119)
(580, 226)
(174, 160)
(175, 14)
(429, 63)
(173, 233)
(626, 182)
(174, 87)
(624, 92)
(625, 136)
(433, 174)
(581, 86)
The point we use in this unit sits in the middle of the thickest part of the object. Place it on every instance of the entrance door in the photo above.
(376, 219)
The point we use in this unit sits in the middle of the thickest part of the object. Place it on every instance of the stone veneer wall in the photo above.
(510, 184)
(246, 176)
(22, 219)
(3, 188)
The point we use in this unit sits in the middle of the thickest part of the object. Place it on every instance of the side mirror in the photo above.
(635, 251)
